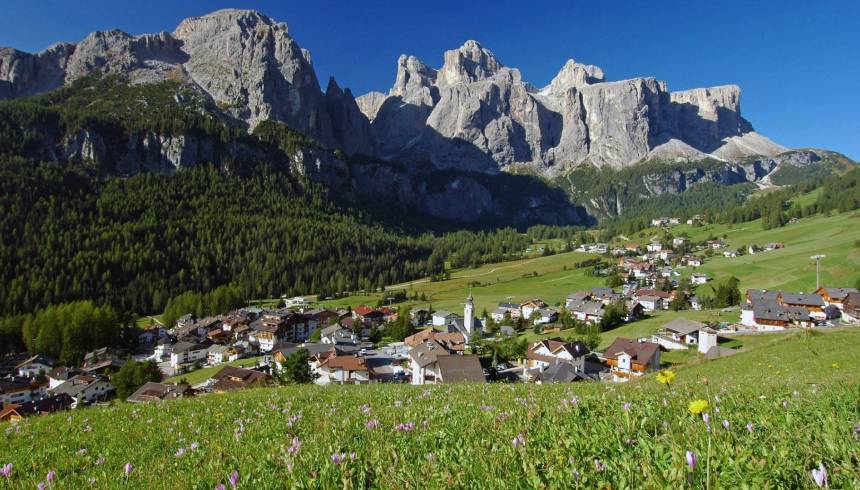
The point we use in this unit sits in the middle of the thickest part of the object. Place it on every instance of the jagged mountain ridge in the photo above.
(477, 113)
(473, 113)
(246, 62)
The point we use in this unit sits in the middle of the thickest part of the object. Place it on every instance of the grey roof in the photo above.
(802, 299)
(427, 352)
(183, 346)
(839, 293)
(152, 391)
(761, 294)
(442, 313)
(594, 308)
(330, 330)
(683, 326)
(77, 385)
(458, 369)
(562, 372)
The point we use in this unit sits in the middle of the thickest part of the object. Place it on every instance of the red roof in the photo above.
(363, 310)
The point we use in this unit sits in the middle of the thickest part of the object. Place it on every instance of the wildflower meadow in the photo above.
(728, 423)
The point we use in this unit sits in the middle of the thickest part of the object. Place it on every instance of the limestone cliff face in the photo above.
(487, 118)
(244, 61)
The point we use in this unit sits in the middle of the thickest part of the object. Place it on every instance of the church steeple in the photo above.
(469, 316)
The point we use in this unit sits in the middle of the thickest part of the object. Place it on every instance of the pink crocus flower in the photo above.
(691, 460)
(219, 486)
(372, 424)
(518, 441)
(51, 476)
(234, 479)
(6, 470)
(598, 465)
(295, 445)
(626, 406)
(819, 475)
(127, 469)
(726, 424)
(338, 458)
(750, 427)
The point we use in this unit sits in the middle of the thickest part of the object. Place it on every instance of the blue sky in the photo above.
(797, 62)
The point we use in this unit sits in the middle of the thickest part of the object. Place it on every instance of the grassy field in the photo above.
(789, 404)
(200, 375)
(493, 283)
(789, 268)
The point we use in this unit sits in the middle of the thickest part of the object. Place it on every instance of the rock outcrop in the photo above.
(486, 117)
(246, 62)
(471, 114)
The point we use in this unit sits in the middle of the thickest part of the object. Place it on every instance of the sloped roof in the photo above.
(642, 352)
(683, 326)
(459, 369)
(562, 372)
(427, 353)
(802, 299)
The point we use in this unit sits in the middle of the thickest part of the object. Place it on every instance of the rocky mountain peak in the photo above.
(243, 20)
(468, 63)
(574, 75)
(413, 78)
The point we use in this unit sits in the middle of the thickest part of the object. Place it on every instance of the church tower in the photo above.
(469, 316)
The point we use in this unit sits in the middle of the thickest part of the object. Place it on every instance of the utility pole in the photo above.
(817, 258)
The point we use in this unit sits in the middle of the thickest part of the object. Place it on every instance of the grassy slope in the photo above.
(203, 374)
(789, 268)
(498, 283)
(786, 386)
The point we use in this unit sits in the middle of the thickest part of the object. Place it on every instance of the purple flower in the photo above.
(750, 427)
(294, 446)
(180, 452)
(819, 475)
(338, 458)
(626, 406)
(41, 485)
(234, 479)
(857, 430)
(294, 419)
(365, 408)
(128, 468)
(598, 465)
(706, 418)
(6, 470)
(219, 486)
(372, 424)
(518, 441)
(100, 461)
(574, 474)
(82, 451)
(404, 427)
(691, 460)
(726, 424)
(194, 446)
(51, 476)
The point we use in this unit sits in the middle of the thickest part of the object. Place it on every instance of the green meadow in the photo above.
(775, 412)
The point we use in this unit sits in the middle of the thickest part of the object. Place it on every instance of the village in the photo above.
(252, 346)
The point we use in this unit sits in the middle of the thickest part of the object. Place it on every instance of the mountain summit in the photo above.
(471, 114)
(476, 113)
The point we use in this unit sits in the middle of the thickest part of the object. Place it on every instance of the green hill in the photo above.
(795, 391)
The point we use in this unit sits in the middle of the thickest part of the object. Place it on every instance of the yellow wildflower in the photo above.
(834, 365)
(697, 406)
(665, 376)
